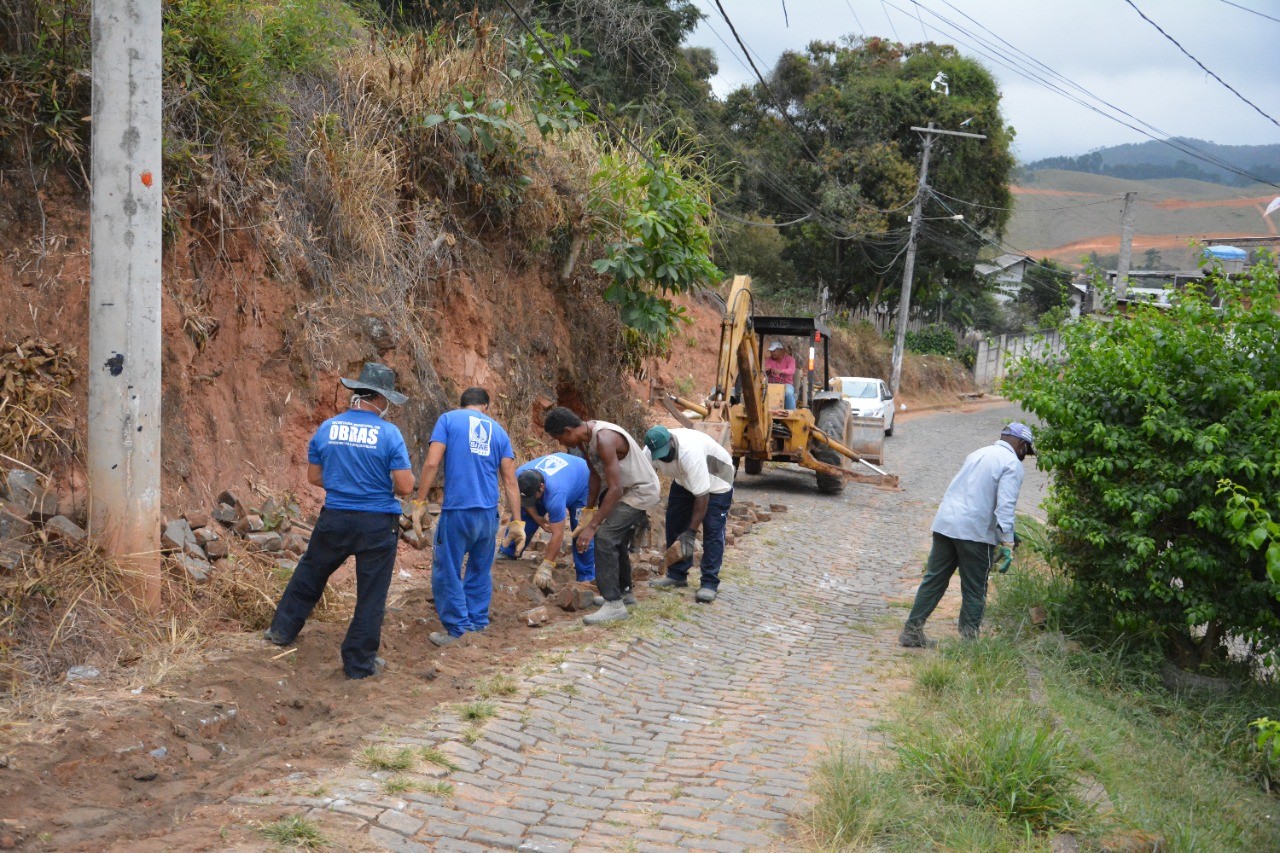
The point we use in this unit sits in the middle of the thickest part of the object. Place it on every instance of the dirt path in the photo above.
(698, 735)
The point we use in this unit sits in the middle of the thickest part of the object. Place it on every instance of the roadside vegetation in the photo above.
(1051, 725)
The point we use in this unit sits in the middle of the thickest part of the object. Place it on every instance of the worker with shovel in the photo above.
(701, 495)
(476, 455)
(553, 493)
(972, 531)
(619, 469)
(361, 462)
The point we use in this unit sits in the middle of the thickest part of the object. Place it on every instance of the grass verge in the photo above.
(978, 761)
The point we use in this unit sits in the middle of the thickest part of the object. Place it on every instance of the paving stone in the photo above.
(394, 842)
(400, 822)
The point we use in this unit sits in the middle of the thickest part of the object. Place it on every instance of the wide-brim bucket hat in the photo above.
(377, 377)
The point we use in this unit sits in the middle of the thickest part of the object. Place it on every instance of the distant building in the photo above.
(1006, 272)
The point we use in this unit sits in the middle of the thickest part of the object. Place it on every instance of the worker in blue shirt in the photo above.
(475, 452)
(553, 490)
(973, 530)
(361, 462)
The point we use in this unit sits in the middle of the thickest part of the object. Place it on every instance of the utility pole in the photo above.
(1126, 243)
(124, 290)
(904, 305)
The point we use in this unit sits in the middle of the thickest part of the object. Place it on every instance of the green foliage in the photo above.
(932, 340)
(661, 244)
(294, 831)
(1268, 737)
(557, 107)
(484, 121)
(1162, 430)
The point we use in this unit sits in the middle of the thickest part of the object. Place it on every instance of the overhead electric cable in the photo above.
(1203, 67)
(1253, 11)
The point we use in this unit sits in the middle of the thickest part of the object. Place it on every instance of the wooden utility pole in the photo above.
(1126, 243)
(908, 272)
(124, 290)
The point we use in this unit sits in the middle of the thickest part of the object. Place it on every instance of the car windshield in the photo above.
(859, 388)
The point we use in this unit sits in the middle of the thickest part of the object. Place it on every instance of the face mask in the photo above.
(358, 402)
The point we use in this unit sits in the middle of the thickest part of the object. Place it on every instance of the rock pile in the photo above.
(29, 516)
(194, 543)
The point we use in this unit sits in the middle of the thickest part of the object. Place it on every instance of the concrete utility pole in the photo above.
(124, 290)
(1126, 243)
(908, 272)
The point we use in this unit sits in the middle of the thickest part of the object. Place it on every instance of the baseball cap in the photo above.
(775, 345)
(658, 440)
(529, 483)
(1022, 431)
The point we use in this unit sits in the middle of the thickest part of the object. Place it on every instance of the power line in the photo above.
(1029, 69)
(1203, 67)
(1252, 11)
(1028, 209)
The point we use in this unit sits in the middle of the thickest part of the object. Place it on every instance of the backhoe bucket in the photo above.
(866, 436)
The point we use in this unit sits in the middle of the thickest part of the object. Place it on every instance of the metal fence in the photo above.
(996, 354)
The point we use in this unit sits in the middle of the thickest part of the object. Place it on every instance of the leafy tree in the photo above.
(834, 127)
(1162, 431)
(1044, 297)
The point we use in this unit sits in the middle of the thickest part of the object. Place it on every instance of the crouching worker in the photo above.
(553, 492)
(701, 495)
(361, 462)
(476, 453)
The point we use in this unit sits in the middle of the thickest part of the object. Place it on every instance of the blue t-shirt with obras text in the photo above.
(358, 451)
(566, 477)
(474, 446)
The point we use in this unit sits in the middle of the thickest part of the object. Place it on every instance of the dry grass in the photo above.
(34, 377)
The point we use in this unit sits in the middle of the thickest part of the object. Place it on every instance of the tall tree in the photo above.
(832, 131)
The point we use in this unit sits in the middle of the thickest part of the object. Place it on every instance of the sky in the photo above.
(1101, 45)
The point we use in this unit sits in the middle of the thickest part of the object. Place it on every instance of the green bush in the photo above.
(932, 340)
(1162, 431)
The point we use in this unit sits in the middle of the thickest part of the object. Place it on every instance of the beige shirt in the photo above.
(640, 488)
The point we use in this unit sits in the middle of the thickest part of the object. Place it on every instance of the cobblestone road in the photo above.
(703, 735)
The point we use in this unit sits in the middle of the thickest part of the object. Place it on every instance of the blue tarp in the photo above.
(1226, 253)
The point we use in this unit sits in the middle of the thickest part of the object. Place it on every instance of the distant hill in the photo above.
(1069, 214)
(1147, 160)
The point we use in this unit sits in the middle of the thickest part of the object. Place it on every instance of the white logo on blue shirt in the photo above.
(481, 432)
(355, 435)
(551, 465)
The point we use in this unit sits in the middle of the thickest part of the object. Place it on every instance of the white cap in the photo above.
(775, 345)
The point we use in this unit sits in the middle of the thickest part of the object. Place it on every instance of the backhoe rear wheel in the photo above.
(753, 466)
(832, 420)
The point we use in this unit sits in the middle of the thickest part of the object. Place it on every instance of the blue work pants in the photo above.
(679, 512)
(462, 603)
(370, 537)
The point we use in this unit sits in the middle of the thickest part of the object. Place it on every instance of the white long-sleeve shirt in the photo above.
(979, 504)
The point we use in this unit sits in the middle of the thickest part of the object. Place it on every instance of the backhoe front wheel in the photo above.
(832, 420)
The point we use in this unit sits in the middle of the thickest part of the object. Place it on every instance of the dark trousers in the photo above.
(679, 511)
(974, 561)
(613, 561)
(370, 537)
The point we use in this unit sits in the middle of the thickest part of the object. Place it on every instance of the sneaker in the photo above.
(272, 637)
(613, 611)
(441, 638)
(705, 595)
(628, 598)
(378, 666)
(667, 583)
(914, 638)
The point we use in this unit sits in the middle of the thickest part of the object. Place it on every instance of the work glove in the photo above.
(416, 515)
(681, 549)
(1004, 558)
(513, 535)
(542, 577)
(583, 520)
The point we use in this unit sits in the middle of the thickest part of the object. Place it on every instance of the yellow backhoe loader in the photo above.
(745, 413)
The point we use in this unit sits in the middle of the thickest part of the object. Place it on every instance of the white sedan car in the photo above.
(867, 397)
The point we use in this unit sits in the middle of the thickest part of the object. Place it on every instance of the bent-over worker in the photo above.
(553, 492)
(361, 462)
(631, 489)
(701, 495)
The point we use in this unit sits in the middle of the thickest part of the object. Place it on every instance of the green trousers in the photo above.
(974, 561)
